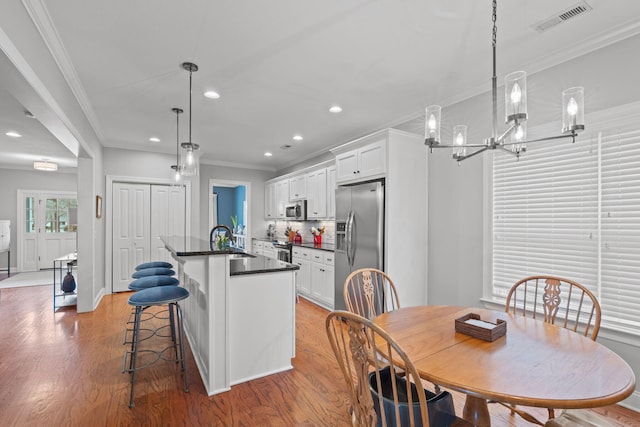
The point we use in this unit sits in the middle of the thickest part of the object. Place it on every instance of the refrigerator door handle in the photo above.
(348, 238)
(352, 243)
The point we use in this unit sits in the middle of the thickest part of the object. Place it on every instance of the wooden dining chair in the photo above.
(369, 292)
(377, 400)
(561, 302)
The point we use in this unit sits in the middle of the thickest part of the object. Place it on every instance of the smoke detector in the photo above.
(577, 9)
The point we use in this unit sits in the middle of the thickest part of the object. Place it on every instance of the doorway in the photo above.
(229, 205)
(45, 228)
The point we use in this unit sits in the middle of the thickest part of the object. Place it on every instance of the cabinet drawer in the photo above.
(317, 256)
(305, 253)
(328, 258)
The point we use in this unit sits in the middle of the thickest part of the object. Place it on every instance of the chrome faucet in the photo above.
(224, 227)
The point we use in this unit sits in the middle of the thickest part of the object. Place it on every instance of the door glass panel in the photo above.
(30, 223)
(57, 215)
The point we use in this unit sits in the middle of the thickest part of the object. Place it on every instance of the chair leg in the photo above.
(182, 352)
(134, 353)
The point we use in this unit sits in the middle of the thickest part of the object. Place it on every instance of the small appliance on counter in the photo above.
(271, 231)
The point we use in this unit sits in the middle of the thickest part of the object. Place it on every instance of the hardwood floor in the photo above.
(64, 369)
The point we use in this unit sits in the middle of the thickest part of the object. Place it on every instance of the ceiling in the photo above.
(279, 66)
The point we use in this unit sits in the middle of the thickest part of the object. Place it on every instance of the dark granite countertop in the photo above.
(193, 246)
(255, 264)
(240, 263)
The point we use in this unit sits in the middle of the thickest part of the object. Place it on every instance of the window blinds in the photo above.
(572, 210)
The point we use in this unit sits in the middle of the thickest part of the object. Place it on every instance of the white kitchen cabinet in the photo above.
(258, 247)
(298, 187)
(365, 162)
(405, 205)
(270, 201)
(331, 192)
(322, 280)
(282, 198)
(317, 194)
(303, 276)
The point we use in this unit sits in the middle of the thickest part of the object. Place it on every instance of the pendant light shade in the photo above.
(189, 152)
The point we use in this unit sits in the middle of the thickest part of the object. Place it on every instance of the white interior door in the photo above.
(167, 217)
(28, 240)
(131, 231)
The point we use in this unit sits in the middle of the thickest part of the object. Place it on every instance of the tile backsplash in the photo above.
(304, 229)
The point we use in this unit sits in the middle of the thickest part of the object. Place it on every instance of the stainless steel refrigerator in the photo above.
(359, 232)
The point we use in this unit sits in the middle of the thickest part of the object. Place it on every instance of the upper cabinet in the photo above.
(298, 187)
(282, 198)
(368, 161)
(331, 192)
(270, 200)
(317, 194)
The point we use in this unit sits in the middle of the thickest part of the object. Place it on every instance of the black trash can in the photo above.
(439, 406)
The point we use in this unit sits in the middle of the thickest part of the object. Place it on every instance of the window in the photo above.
(57, 215)
(573, 210)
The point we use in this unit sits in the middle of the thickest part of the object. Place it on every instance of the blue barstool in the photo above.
(154, 264)
(146, 283)
(153, 271)
(141, 301)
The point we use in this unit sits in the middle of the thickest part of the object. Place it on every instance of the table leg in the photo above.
(476, 411)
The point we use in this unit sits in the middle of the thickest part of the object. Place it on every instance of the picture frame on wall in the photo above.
(98, 207)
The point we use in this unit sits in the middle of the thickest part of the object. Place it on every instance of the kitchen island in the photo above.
(240, 314)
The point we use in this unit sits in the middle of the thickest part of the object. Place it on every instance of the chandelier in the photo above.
(176, 167)
(514, 139)
(188, 165)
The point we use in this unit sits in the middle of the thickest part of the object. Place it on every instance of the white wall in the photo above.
(457, 213)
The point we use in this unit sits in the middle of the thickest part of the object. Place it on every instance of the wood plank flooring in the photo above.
(64, 369)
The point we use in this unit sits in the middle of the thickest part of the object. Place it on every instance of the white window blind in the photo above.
(620, 290)
(572, 210)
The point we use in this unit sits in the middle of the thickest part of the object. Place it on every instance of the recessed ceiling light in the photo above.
(212, 94)
(268, 154)
(154, 139)
(335, 109)
(297, 137)
(13, 134)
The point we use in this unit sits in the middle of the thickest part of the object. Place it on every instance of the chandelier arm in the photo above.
(459, 146)
(571, 135)
(506, 133)
(475, 153)
(514, 153)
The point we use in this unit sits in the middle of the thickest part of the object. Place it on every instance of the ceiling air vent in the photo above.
(560, 17)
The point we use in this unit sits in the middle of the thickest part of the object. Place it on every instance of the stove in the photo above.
(284, 250)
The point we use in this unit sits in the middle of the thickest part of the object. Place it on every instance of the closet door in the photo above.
(167, 218)
(131, 231)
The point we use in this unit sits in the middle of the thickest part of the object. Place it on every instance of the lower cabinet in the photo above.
(315, 278)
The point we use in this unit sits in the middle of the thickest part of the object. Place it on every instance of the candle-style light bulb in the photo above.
(572, 107)
(519, 133)
(431, 123)
(516, 95)
(459, 139)
(190, 157)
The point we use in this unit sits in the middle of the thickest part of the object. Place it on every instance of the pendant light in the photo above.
(175, 174)
(189, 150)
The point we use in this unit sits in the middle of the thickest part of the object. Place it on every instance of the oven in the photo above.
(283, 251)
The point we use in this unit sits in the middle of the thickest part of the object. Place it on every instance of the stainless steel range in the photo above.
(284, 250)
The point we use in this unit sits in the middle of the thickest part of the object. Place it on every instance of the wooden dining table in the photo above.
(533, 364)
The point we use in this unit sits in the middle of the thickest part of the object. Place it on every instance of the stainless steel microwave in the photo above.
(297, 211)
